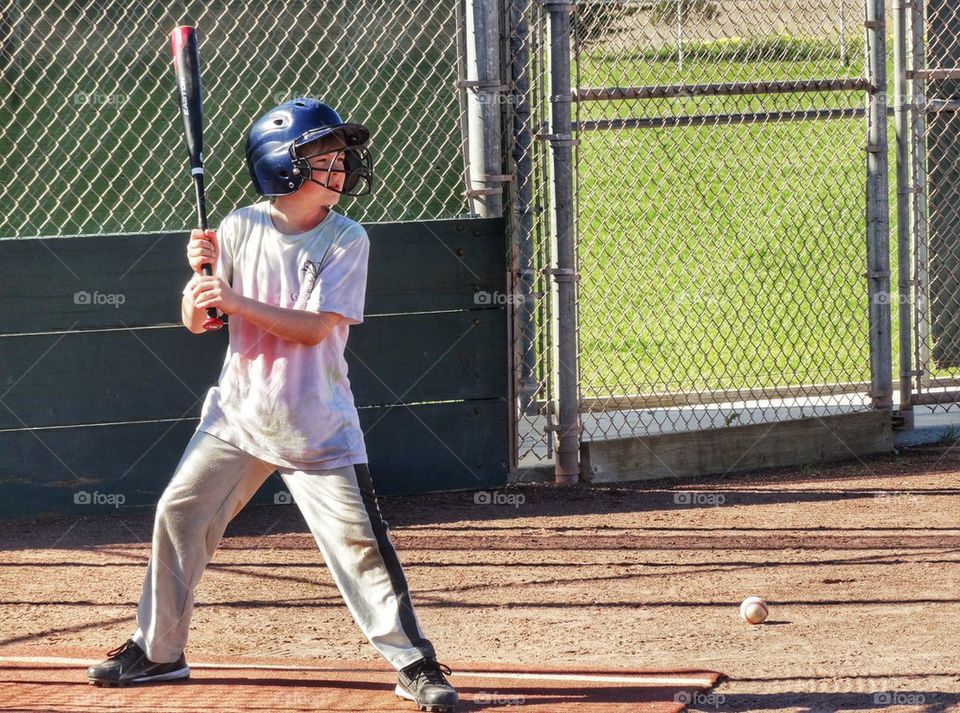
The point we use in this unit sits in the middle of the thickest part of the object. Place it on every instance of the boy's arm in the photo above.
(294, 325)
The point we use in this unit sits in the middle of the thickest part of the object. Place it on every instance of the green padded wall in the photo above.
(100, 386)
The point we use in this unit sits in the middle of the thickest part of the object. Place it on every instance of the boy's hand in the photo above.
(202, 249)
(211, 291)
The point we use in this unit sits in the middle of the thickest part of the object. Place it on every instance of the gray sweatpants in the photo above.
(212, 483)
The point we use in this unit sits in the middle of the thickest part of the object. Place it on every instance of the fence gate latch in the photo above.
(562, 274)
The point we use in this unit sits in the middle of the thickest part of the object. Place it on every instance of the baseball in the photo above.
(754, 610)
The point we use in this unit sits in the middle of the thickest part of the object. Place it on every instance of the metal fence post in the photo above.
(904, 261)
(918, 144)
(565, 271)
(878, 223)
(483, 85)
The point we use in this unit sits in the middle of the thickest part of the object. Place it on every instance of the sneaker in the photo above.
(423, 683)
(129, 664)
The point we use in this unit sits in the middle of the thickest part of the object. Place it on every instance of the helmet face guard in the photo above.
(276, 168)
(357, 169)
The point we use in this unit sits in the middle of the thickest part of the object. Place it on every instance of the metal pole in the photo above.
(461, 45)
(564, 274)
(878, 223)
(483, 108)
(546, 237)
(904, 262)
(921, 272)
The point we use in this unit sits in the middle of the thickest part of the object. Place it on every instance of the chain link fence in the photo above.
(934, 185)
(90, 140)
(721, 182)
(721, 197)
(530, 208)
(721, 176)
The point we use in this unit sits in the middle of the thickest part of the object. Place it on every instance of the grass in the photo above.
(726, 256)
(775, 48)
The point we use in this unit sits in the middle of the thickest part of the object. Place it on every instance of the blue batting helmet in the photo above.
(275, 167)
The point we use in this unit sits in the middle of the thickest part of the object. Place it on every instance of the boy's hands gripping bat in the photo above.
(186, 64)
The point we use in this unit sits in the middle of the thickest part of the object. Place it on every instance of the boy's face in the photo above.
(328, 173)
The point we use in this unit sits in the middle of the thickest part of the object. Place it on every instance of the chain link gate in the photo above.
(534, 247)
(721, 206)
(929, 101)
(726, 156)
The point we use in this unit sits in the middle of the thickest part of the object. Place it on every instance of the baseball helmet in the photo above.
(275, 167)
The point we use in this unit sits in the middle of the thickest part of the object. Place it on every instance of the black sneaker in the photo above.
(423, 683)
(129, 664)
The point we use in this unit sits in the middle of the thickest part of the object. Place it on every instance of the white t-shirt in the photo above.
(286, 403)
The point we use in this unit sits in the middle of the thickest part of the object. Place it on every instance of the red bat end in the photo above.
(179, 36)
(212, 324)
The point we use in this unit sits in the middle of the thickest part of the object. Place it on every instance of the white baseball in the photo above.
(754, 610)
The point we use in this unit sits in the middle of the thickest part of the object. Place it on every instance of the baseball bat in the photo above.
(186, 64)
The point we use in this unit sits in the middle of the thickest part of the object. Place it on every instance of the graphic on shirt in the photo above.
(308, 281)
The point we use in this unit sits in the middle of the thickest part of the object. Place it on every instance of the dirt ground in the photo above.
(859, 563)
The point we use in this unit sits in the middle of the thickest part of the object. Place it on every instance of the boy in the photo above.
(291, 274)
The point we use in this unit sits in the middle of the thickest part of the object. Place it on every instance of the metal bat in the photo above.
(186, 64)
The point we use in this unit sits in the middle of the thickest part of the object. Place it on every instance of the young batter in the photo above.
(291, 274)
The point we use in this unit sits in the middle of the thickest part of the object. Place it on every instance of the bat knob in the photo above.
(212, 324)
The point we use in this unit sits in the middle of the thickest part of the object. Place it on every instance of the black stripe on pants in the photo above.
(408, 619)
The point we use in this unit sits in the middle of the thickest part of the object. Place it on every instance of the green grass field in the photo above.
(722, 256)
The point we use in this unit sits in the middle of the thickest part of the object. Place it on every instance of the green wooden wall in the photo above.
(100, 395)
